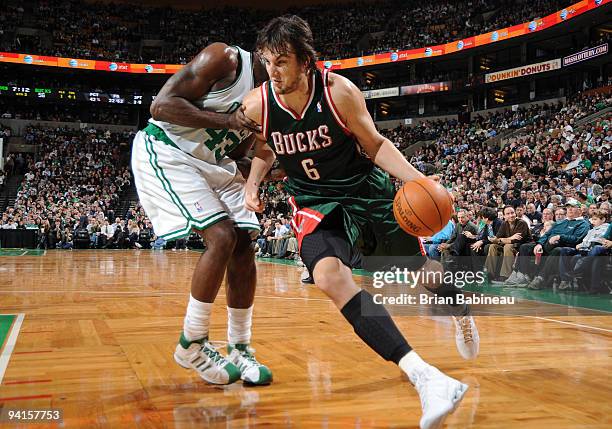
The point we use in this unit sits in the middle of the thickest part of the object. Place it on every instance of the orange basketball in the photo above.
(422, 207)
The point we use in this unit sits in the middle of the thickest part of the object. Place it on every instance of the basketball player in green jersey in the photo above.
(187, 181)
(317, 125)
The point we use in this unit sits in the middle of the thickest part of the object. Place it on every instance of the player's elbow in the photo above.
(373, 149)
(158, 108)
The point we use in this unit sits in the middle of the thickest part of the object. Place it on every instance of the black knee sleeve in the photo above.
(373, 324)
(323, 243)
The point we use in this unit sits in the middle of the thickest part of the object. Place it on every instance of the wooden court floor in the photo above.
(99, 329)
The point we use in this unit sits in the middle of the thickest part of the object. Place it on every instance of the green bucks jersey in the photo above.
(207, 144)
(314, 147)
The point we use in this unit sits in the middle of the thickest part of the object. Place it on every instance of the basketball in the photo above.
(422, 207)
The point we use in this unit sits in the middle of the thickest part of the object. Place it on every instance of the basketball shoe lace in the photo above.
(214, 357)
(247, 358)
(466, 329)
(467, 339)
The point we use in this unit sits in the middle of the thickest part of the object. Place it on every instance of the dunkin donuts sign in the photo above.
(523, 71)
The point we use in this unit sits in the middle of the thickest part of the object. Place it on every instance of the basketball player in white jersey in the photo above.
(187, 181)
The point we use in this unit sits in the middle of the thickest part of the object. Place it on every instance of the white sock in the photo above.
(197, 319)
(412, 365)
(239, 321)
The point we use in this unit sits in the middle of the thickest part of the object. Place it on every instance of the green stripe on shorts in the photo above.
(248, 225)
(159, 174)
(201, 224)
(159, 134)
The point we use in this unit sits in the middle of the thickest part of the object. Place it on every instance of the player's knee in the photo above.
(327, 282)
(331, 281)
(244, 245)
(220, 237)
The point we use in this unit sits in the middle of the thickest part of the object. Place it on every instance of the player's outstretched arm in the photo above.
(264, 156)
(174, 102)
(351, 105)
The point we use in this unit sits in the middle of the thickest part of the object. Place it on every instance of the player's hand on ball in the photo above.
(251, 199)
(239, 121)
(437, 179)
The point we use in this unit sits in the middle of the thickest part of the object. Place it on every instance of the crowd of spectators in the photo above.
(75, 29)
(550, 175)
(73, 182)
(417, 24)
(452, 137)
(546, 193)
(57, 112)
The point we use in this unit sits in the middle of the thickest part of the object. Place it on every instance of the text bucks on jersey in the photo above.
(208, 144)
(314, 146)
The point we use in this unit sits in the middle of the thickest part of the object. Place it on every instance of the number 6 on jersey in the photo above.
(310, 171)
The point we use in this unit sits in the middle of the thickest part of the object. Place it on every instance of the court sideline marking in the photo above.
(6, 352)
(288, 298)
(563, 322)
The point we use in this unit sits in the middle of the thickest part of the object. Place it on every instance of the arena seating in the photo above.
(72, 29)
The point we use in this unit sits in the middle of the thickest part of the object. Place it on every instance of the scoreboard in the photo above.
(75, 95)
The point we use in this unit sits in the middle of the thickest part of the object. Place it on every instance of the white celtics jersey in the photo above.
(207, 144)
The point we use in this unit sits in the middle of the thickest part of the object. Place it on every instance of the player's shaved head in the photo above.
(289, 34)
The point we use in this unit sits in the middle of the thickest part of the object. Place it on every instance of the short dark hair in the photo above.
(289, 32)
(489, 213)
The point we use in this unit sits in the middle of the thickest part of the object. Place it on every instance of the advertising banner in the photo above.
(425, 88)
(380, 93)
(585, 55)
(386, 57)
(523, 71)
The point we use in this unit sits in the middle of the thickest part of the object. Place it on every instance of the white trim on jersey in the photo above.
(294, 114)
(264, 109)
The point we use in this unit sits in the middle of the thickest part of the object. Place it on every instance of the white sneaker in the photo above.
(203, 358)
(251, 371)
(466, 337)
(439, 394)
(522, 280)
(512, 279)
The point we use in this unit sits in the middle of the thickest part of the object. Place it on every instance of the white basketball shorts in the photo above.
(180, 192)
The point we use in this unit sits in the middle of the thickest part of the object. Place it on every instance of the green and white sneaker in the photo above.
(203, 358)
(251, 371)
